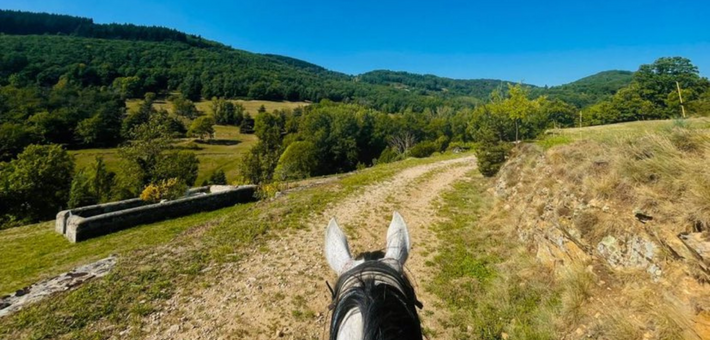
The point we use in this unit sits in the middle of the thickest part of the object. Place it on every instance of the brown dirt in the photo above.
(281, 291)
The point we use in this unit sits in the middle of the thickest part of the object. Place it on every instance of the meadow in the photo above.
(221, 153)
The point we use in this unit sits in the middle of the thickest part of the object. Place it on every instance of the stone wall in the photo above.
(92, 221)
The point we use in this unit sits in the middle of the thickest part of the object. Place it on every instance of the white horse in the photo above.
(373, 298)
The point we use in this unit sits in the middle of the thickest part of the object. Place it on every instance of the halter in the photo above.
(370, 272)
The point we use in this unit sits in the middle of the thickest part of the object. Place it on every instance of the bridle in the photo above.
(377, 273)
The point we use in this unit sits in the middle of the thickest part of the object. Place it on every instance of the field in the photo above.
(223, 153)
(615, 132)
(205, 106)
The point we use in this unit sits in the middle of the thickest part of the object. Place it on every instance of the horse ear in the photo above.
(398, 245)
(337, 251)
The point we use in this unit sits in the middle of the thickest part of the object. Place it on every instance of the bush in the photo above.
(81, 194)
(182, 165)
(35, 185)
(388, 156)
(201, 127)
(423, 149)
(491, 156)
(217, 178)
(297, 162)
(169, 189)
(442, 143)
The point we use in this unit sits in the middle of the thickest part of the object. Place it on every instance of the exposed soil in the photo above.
(279, 291)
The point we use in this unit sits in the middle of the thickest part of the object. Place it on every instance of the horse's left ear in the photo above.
(398, 245)
(337, 251)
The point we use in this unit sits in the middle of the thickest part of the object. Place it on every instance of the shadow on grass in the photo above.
(218, 141)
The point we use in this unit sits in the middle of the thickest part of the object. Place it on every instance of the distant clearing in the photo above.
(252, 106)
(224, 152)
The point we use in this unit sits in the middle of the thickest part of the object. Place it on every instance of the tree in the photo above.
(491, 154)
(36, 185)
(226, 113)
(184, 107)
(218, 177)
(518, 106)
(202, 126)
(297, 161)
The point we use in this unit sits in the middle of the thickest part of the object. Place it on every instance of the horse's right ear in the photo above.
(337, 251)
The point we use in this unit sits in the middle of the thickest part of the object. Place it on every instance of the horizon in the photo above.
(532, 51)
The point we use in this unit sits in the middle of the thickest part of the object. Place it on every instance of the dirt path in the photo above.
(281, 292)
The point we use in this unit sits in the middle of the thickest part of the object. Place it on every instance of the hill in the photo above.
(41, 49)
(589, 90)
(427, 84)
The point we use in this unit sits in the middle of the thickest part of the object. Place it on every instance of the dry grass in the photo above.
(587, 184)
(205, 106)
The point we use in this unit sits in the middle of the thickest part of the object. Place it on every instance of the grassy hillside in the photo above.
(622, 212)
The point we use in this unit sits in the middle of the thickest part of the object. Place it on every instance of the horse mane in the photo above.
(388, 311)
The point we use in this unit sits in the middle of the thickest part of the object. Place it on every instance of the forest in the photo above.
(64, 82)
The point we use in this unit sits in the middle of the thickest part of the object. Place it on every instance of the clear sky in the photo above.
(542, 43)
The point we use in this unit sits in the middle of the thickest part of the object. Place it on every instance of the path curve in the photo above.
(281, 293)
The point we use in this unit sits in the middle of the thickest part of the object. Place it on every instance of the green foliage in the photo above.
(184, 107)
(182, 165)
(226, 113)
(588, 90)
(259, 163)
(36, 184)
(14, 138)
(298, 161)
(216, 178)
(80, 193)
(491, 154)
(424, 149)
(167, 189)
(91, 185)
(388, 156)
(653, 93)
(148, 159)
(201, 127)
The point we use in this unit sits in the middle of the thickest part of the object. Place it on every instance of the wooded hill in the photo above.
(40, 49)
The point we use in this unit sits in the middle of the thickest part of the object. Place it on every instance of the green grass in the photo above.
(212, 157)
(490, 286)
(154, 259)
(34, 252)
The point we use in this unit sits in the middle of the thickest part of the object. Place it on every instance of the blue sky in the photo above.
(542, 43)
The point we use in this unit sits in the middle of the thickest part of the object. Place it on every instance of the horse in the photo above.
(373, 298)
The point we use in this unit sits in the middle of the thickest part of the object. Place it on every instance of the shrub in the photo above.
(217, 178)
(297, 162)
(35, 185)
(168, 189)
(201, 127)
(182, 165)
(388, 156)
(423, 149)
(442, 143)
(80, 193)
(491, 156)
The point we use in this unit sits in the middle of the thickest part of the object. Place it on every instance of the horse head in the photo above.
(373, 298)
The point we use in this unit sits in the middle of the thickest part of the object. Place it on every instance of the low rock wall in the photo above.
(93, 221)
